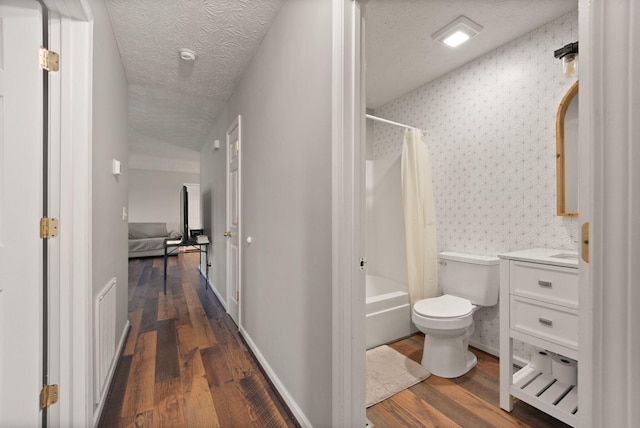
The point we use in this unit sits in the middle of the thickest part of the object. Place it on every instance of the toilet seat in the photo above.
(445, 306)
(444, 313)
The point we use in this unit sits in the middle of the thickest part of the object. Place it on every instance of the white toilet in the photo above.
(468, 281)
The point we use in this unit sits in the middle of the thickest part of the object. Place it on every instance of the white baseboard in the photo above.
(293, 406)
(98, 411)
(215, 291)
(485, 348)
(496, 353)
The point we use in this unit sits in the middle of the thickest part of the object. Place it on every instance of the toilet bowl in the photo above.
(469, 282)
(446, 322)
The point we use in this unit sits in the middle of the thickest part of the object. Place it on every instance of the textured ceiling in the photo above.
(402, 56)
(171, 101)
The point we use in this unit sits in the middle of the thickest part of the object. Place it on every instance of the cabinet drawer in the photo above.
(553, 284)
(557, 324)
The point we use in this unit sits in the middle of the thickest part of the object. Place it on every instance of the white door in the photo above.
(20, 211)
(233, 221)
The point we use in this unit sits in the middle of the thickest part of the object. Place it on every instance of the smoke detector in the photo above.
(187, 54)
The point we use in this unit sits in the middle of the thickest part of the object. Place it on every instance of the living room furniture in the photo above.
(172, 246)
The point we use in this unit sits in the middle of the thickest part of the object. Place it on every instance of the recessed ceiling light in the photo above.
(457, 32)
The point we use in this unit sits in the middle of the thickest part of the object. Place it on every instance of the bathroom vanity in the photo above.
(539, 306)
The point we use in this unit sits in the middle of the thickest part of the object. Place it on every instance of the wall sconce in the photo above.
(216, 145)
(568, 54)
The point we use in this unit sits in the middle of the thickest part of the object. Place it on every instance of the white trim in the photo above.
(611, 316)
(586, 315)
(76, 380)
(54, 245)
(284, 393)
(114, 365)
(215, 291)
(347, 199)
(496, 353)
(71, 9)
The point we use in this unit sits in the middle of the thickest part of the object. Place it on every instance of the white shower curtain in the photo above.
(419, 217)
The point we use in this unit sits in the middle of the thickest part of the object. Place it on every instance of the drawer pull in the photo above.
(544, 283)
(545, 321)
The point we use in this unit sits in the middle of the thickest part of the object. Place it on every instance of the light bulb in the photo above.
(570, 65)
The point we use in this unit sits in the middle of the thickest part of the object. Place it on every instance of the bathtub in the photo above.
(388, 313)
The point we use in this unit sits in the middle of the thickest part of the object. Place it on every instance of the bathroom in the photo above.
(490, 128)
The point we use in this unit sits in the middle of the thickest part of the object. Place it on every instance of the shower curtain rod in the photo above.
(389, 122)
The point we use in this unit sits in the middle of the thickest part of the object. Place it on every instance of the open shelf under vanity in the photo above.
(546, 393)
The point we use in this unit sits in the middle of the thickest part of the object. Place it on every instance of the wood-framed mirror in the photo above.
(567, 153)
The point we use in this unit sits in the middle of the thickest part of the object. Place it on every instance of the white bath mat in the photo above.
(389, 372)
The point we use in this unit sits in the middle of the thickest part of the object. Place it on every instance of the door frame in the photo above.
(609, 293)
(609, 35)
(70, 126)
(347, 200)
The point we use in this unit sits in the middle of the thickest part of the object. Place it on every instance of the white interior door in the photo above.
(233, 221)
(21, 207)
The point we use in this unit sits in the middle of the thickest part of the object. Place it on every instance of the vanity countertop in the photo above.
(566, 258)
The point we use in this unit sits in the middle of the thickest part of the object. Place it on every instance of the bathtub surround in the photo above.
(384, 220)
(421, 247)
(490, 127)
(387, 311)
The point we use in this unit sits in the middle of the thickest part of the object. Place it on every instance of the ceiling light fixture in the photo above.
(457, 32)
(187, 54)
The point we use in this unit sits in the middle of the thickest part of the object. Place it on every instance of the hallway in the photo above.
(184, 364)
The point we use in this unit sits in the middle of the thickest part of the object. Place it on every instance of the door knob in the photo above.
(227, 234)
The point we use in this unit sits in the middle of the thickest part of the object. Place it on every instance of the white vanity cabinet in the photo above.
(539, 306)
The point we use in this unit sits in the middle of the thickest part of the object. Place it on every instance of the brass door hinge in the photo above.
(49, 60)
(48, 228)
(48, 395)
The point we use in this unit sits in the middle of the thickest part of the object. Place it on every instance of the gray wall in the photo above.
(284, 98)
(155, 195)
(110, 140)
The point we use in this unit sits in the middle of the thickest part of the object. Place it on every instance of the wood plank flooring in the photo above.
(184, 364)
(471, 400)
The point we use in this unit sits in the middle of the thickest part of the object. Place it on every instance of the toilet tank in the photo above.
(473, 277)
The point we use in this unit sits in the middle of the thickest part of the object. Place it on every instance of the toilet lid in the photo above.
(445, 306)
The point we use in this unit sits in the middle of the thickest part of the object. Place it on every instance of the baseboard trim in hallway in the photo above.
(275, 380)
(114, 366)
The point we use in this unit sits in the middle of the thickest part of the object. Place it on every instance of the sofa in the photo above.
(147, 239)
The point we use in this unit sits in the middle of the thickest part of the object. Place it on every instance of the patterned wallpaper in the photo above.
(490, 127)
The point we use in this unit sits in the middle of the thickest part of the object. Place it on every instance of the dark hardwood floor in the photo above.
(471, 400)
(184, 364)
